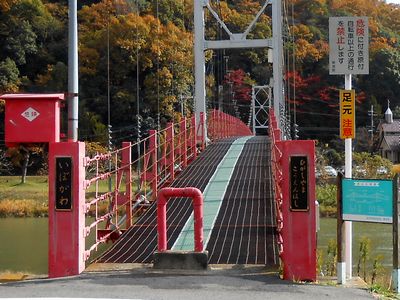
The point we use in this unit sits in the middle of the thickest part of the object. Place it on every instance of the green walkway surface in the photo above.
(213, 195)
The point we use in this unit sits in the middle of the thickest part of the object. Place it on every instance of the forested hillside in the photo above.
(141, 53)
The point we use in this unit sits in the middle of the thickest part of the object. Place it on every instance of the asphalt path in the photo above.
(224, 284)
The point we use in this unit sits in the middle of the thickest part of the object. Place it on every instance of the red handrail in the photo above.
(163, 154)
(276, 155)
(222, 125)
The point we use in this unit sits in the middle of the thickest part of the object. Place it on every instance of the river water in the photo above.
(23, 245)
(24, 242)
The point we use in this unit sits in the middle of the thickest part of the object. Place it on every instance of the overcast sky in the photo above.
(393, 1)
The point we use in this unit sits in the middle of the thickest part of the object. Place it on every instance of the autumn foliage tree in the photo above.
(146, 47)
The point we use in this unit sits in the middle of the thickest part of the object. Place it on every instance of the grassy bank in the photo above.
(23, 200)
(31, 198)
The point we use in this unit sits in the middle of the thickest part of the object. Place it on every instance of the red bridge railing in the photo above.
(119, 188)
(222, 125)
(134, 183)
(277, 176)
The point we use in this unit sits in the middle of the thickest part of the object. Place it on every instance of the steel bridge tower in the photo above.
(236, 41)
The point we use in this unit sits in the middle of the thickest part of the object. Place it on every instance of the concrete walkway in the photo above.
(145, 283)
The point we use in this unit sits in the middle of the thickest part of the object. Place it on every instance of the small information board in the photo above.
(367, 200)
(298, 167)
(63, 183)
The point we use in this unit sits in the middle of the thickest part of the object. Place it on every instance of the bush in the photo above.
(326, 196)
(23, 208)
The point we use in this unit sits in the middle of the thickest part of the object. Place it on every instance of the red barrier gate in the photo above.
(163, 196)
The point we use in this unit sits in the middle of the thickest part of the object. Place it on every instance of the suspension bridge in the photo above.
(254, 190)
(234, 175)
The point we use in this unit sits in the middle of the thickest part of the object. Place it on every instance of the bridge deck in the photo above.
(244, 231)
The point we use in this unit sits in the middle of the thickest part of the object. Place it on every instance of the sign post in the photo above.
(396, 240)
(348, 226)
(348, 54)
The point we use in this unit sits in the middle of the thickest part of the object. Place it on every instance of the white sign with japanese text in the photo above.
(30, 114)
(348, 45)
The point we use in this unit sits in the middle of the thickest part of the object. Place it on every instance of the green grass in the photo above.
(23, 200)
(31, 198)
(35, 188)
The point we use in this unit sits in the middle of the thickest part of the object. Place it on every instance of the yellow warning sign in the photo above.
(347, 114)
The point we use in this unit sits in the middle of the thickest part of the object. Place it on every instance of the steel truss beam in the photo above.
(236, 41)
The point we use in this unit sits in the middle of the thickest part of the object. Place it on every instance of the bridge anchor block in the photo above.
(182, 260)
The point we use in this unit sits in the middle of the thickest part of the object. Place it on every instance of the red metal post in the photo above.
(226, 120)
(236, 129)
(171, 154)
(198, 220)
(215, 124)
(202, 131)
(163, 196)
(231, 128)
(66, 209)
(193, 137)
(153, 157)
(162, 221)
(220, 125)
(299, 230)
(225, 123)
(127, 168)
(184, 142)
(163, 162)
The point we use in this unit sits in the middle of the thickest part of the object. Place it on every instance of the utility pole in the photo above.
(371, 129)
(279, 106)
(72, 71)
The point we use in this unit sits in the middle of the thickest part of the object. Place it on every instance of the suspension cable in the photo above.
(138, 116)
(158, 66)
(294, 69)
(286, 66)
(109, 99)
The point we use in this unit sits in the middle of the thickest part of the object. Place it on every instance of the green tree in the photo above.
(366, 165)
(20, 40)
(30, 36)
(9, 76)
(384, 79)
(163, 53)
